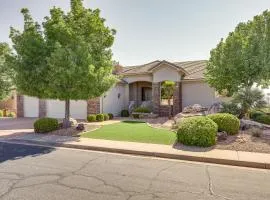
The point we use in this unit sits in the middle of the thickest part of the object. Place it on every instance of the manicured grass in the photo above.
(133, 131)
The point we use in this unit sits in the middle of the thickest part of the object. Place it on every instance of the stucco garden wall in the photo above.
(197, 93)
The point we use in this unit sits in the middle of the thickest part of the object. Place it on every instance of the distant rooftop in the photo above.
(194, 69)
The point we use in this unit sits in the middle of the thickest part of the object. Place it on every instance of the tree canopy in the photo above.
(69, 58)
(6, 84)
(243, 58)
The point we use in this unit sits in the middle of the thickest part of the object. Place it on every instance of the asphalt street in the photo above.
(44, 173)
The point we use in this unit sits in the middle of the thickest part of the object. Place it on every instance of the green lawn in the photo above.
(133, 131)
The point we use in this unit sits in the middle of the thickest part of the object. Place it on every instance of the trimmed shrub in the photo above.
(197, 131)
(106, 117)
(44, 125)
(91, 118)
(110, 115)
(1, 113)
(142, 110)
(11, 114)
(265, 119)
(226, 122)
(231, 108)
(124, 113)
(255, 113)
(136, 116)
(100, 117)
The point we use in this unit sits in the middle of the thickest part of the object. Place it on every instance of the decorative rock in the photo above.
(194, 109)
(221, 136)
(80, 127)
(190, 111)
(247, 124)
(73, 122)
(215, 108)
(241, 139)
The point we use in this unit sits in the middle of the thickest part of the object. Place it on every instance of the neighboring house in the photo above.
(140, 85)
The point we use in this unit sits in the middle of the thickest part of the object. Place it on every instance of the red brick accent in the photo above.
(93, 106)
(177, 98)
(20, 110)
(156, 97)
(42, 108)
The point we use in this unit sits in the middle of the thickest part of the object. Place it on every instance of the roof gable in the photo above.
(167, 64)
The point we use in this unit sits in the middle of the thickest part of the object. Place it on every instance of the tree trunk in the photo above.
(66, 121)
(170, 109)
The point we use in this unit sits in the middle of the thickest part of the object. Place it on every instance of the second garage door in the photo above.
(56, 109)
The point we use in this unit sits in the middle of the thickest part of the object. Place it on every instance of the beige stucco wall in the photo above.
(197, 93)
(131, 78)
(164, 73)
(114, 100)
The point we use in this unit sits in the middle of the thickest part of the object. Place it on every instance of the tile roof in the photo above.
(194, 69)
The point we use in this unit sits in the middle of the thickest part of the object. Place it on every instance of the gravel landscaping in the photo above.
(245, 142)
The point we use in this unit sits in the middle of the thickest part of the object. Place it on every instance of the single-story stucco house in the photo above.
(139, 85)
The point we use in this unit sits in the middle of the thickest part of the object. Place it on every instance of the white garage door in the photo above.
(56, 109)
(30, 106)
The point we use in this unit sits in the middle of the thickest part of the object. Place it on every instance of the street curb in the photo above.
(222, 161)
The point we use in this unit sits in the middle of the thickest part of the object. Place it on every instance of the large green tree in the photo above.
(6, 84)
(69, 58)
(243, 58)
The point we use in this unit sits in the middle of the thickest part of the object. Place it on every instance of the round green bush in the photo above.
(226, 122)
(124, 113)
(255, 113)
(106, 117)
(91, 118)
(11, 114)
(142, 110)
(197, 131)
(44, 125)
(110, 115)
(100, 117)
(265, 119)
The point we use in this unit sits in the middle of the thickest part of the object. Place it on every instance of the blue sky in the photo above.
(147, 30)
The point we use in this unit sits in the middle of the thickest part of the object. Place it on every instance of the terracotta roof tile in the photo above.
(195, 69)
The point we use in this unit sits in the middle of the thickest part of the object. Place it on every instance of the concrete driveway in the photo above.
(16, 125)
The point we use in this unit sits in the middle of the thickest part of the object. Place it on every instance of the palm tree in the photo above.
(249, 98)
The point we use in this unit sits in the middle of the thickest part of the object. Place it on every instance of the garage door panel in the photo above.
(56, 109)
(78, 109)
(31, 106)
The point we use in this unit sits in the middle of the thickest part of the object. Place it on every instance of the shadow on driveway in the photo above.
(10, 151)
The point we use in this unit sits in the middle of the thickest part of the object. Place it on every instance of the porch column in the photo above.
(93, 106)
(20, 110)
(177, 98)
(156, 97)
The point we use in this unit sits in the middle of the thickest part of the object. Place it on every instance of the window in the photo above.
(146, 94)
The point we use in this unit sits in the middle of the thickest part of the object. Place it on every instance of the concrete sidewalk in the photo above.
(227, 157)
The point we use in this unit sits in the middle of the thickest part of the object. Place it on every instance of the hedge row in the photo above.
(99, 117)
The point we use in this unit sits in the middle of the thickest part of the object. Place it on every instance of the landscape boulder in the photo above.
(190, 111)
(80, 127)
(221, 136)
